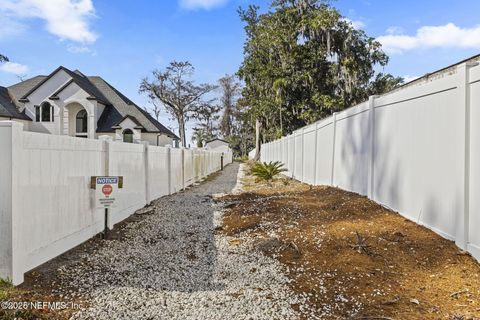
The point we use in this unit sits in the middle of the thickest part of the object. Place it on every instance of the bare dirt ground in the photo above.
(352, 257)
(348, 256)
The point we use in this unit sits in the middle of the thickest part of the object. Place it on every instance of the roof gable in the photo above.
(18, 90)
(137, 124)
(217, 139)
(77, 78)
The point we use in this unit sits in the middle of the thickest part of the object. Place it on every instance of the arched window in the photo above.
(128, 136)
(44, 112)
(81, 122)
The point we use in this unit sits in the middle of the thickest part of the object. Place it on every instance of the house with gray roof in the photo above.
(70, 103)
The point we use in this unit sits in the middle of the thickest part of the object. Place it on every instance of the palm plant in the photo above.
(200, 136)
(267, 171)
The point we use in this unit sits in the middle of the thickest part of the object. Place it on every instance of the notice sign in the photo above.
(105, 190)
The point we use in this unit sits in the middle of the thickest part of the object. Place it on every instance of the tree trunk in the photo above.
(181, 131)
(258, 127)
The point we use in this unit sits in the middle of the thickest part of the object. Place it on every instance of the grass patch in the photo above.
(6, 289)
(9, 293)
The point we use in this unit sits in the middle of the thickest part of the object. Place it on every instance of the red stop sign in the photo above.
(107, 190)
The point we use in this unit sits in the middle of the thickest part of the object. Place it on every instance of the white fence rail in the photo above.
(415, 150)
(46, 204)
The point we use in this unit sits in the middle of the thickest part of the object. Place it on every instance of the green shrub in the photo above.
(242, 159)
(267, 171)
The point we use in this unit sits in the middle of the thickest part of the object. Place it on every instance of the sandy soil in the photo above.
(354, 258)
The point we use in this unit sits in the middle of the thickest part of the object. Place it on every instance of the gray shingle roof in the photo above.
(84, 83)
(124, 107)
(18, 90)
(8, 108)
(217, 139)
(117, 105)
(77, 77)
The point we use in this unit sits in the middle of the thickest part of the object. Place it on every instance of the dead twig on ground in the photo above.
(455, 294)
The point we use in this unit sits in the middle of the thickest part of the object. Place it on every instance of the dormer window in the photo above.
(128, 136)
(44, 112)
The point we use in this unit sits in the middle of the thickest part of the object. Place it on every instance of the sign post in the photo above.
(106, 189)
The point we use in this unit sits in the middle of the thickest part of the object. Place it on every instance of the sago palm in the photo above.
(267, 171)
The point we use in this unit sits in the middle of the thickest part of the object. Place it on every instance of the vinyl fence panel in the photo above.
(415, 150)
(46, 204)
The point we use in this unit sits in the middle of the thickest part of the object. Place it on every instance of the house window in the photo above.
(44, 112)
(37, 113)
(128, 136)
(81, 123)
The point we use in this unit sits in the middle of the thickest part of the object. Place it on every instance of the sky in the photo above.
(124, 40)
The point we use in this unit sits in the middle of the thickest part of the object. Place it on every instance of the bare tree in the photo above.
(3, 58)
(230, 88)
(156, 110)
(207, 115)
(173, 89)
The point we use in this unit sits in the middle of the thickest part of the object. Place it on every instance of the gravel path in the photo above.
(172, 265)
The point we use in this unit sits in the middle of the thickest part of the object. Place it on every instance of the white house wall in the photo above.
(42, 94)
(220, 148)
(71, 100)
(128, 123)
(151, 138)
(215, 144)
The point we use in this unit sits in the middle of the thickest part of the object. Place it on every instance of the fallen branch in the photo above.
(458, 292)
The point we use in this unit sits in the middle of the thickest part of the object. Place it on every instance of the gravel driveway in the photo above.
(171, 264)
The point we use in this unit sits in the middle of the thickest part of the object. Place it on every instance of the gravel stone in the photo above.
(172, 265)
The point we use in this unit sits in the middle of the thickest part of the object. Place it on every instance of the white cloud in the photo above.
(395, 30)
(14, 67)
(447, 36)
(67, 19)
(357, 24)
(10, 27)
(201, 4)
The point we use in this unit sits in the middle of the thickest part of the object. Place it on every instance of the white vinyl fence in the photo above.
(415, 150)
(46, 204)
